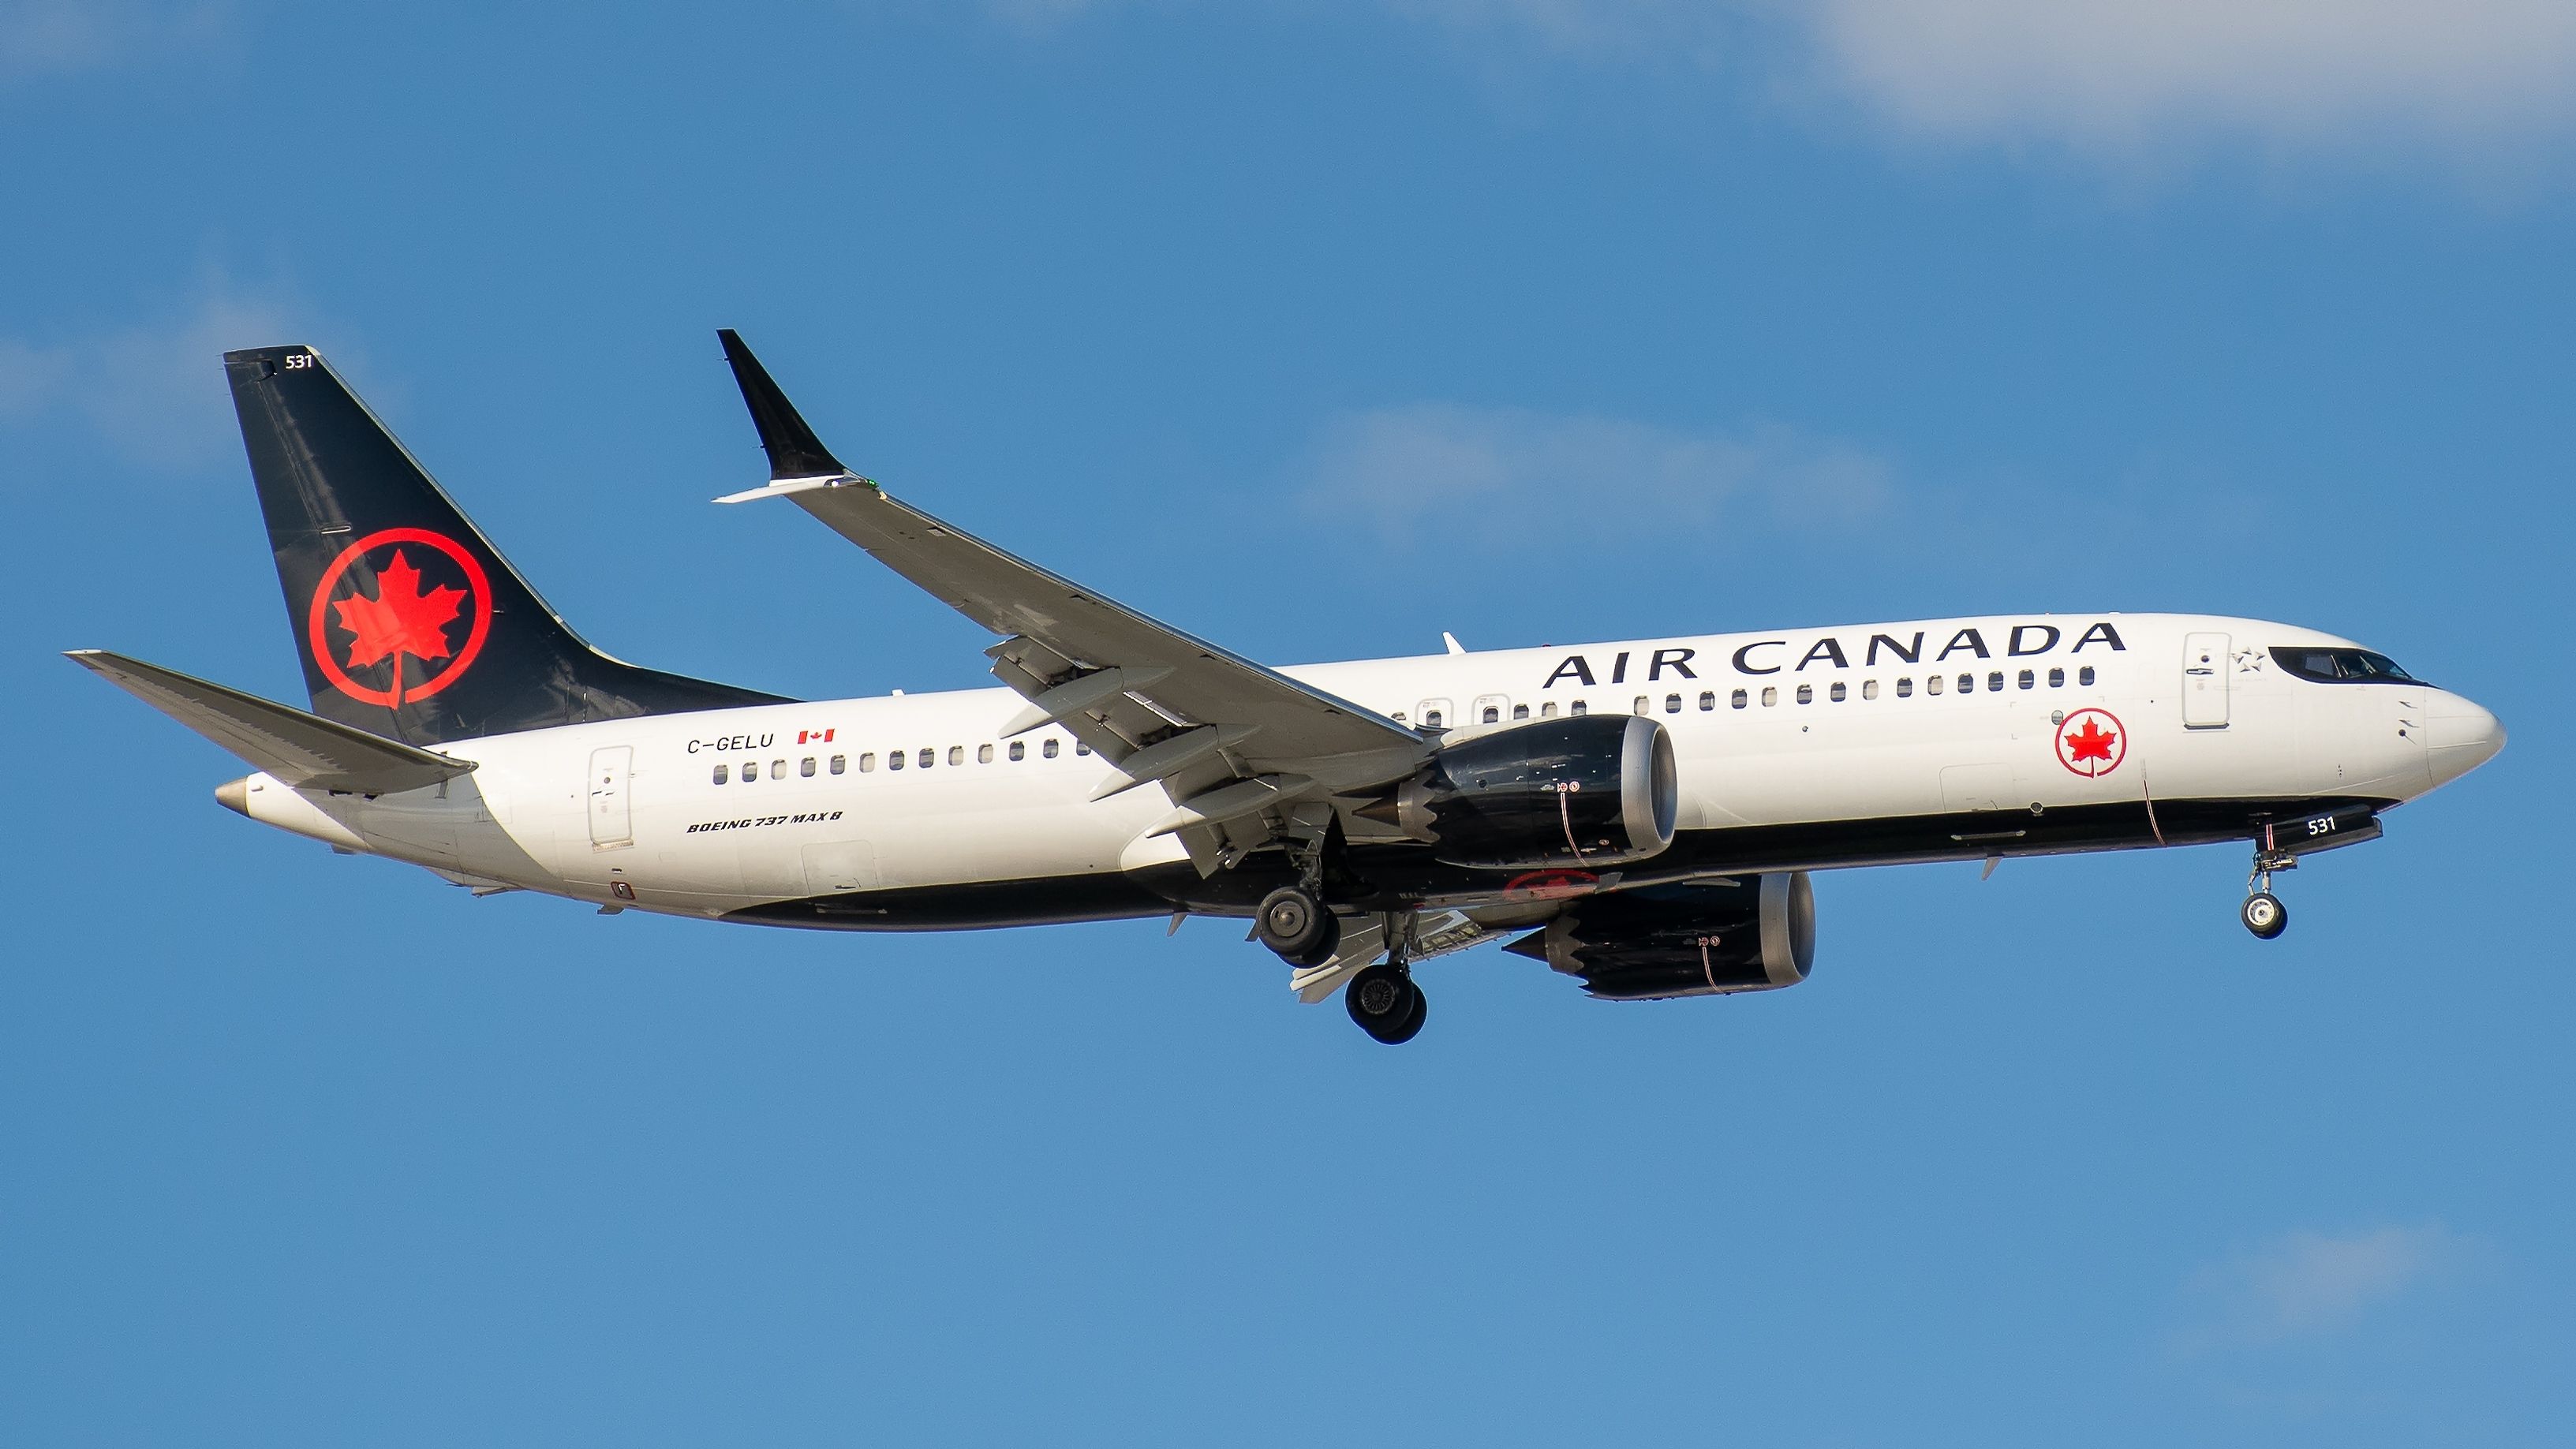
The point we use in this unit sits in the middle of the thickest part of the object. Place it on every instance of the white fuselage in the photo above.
(711, 813)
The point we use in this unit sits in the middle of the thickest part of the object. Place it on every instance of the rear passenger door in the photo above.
(612, 814)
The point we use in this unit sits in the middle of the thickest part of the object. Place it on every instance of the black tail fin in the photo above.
(410, 624)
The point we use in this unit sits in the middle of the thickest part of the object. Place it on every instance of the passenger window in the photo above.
(778, 769)
(1048, 749)
(1580, 706)
(983, 754)
(840, 764)
(1738, 700)
(720, 774)
(868, 763)
(1836, 693)
(1869, 689)
(1932, 685)
(1905, 686)
(1672, 704)
(956, 754)
(1520, 711)
(1547, 710)
(750, 771)
(895, 759)
(1430, 720)
(2085, 677)
(1806, 694)
(1493, 714)
(1080, 748)
(926, 758)
(2057, 679)
(2028, 679)
(1967, 684)
(1019, 749)
(1643, 704)
(806, 768)
(1707, 700)
(1995, 680)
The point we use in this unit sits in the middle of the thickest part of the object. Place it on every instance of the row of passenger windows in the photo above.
(1806, 694)
(928, 756)
(1433, 719)
(1837, 692)
(921, 759)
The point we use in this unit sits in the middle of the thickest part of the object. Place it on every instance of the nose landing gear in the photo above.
(2263, 913)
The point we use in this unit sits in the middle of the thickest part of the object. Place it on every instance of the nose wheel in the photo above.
(2263, 913)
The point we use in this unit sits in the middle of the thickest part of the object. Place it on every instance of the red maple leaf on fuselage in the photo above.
(2090, 743)
(400, 619)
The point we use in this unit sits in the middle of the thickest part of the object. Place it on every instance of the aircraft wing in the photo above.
(288, 744)
(1238, 746)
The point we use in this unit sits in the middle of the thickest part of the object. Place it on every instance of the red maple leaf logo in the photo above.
(2090, 743)
(400, 619)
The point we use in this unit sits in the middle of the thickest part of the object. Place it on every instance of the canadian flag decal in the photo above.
(816, 737)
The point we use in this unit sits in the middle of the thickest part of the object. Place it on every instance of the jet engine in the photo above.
(1684, 940)
(1582, 791)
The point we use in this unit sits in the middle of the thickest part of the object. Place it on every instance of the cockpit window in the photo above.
(2342, 666)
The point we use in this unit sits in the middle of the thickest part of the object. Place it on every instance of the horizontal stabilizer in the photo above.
(288, 744)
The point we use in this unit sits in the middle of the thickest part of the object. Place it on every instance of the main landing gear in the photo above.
(1386, 1003)
(1383, 998)
(2263, 913)
(1296, 925)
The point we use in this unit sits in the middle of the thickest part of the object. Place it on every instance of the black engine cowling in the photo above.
(1582, 791)
(1684, 940)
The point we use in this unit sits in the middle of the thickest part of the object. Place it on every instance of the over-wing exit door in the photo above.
(612, 820)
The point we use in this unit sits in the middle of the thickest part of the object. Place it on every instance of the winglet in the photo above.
(794, 451)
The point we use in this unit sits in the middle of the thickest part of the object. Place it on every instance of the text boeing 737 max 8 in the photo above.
(1645, 812)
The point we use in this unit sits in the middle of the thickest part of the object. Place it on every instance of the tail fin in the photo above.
(410, 624)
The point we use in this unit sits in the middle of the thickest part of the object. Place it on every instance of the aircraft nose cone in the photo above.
(2461, 736)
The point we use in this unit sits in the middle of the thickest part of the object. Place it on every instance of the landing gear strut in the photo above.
(1299, 927)
(1386, 1003)
(2263, 913)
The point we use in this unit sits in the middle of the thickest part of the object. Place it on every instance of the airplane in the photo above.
(1643, 816)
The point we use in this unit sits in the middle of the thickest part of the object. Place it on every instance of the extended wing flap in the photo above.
(288, 744)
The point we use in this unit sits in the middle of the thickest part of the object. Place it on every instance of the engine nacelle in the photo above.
(1687, 940)
(1583, 791)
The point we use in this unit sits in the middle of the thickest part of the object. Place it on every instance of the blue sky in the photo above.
(1318, 328)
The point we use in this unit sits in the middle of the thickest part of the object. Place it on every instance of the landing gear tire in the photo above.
(1322, 951)
(1386, 1004)
(2264, 915)
(1293, 923)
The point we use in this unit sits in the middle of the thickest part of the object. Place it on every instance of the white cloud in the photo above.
(154, 393)
(2100, 76)
(2304, 1284)
(39, 36)
(2118, 74)
(1503, 473)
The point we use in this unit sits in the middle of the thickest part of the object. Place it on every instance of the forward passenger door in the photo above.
(2204, 681)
